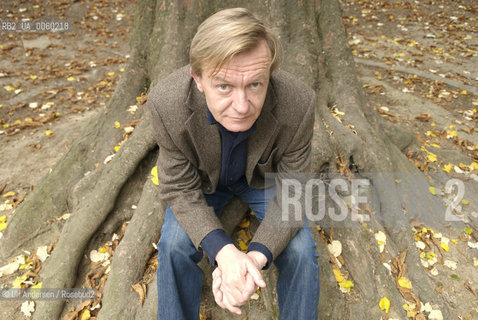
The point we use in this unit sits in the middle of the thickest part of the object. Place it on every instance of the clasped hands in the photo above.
(237, 277)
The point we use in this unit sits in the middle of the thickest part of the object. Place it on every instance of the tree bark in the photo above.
(100, 199)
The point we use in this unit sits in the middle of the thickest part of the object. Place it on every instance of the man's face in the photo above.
(235, 95)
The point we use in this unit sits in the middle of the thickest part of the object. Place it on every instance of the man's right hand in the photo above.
(239, 276)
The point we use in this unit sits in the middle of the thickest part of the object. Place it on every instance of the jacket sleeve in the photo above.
(276, 230)
(180, 184)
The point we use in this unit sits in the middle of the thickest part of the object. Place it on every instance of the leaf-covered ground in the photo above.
(417, 61)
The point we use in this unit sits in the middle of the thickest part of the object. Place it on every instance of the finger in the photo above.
(216, 284)
(233, 290)
(256, 275)
(234, 297)
(230, 306)
(217, 273)
(249, 288)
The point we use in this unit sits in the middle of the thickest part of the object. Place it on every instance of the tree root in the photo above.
(96, 199)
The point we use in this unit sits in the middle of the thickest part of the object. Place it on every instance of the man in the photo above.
(222, 123)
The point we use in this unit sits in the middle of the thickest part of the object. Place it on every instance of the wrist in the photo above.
(224, 252)
(259, 258)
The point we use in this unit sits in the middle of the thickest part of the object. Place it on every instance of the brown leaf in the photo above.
(420, 316)
(140, 289)
(468, 287)
(424, 117)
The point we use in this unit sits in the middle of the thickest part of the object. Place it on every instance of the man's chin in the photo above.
(238, 127)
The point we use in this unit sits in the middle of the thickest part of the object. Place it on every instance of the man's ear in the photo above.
(197, 79)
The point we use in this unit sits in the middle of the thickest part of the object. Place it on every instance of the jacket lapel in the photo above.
(205, 138)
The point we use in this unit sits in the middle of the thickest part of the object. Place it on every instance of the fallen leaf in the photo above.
(450, 264)
(404, 282)
(27, 308)
(85, 315)
(140, 289)
(384, 304)
(432, 157)
(154, 173)
(435, 315)
(346, 285)
(454, 277)
(9, 194)
(447, 167)
(338, 275)
(432, 190)
(335, 248)
(424, 117)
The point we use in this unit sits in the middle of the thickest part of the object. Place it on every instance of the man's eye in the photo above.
(223, 87)
(255, 85)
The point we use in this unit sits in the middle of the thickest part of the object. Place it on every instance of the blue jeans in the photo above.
(179, 279)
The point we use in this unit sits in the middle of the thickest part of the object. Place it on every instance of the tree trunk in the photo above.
(100, 198)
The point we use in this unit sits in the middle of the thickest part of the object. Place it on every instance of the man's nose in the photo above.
(241, 105)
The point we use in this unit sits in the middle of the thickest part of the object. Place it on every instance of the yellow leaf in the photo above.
(48, 132)
(474, 165)
(33, 77)
(404, 283)
(338, 275)
(9, 194)
(411, 313)
(463, 92)
(447, 167)
(85, 315)
(245, 223)
(464, 201)
(384, 304)
(3, 225)
(37, 286)
(17, 283)
(432, 157)
(433, 124)
(122, 70)
(111, 73)
(102, 250)
(117, 124)
(242, 245)
(117, 148)
(154, 173)
(9, 88)
(454, 241)
(70, 79)
(434, 145)
(432, 190)
(451, 133)
(26, 266)
(445, 246)
(3, 218)
(346, 284)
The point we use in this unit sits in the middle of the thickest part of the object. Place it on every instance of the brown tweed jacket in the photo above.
(189, 161)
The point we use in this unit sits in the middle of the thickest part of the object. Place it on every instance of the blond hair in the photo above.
(227, 33)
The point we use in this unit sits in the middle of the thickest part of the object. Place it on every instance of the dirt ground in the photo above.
(417, 61)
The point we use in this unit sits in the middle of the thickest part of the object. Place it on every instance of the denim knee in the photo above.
(178, 246)
(300, 250)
